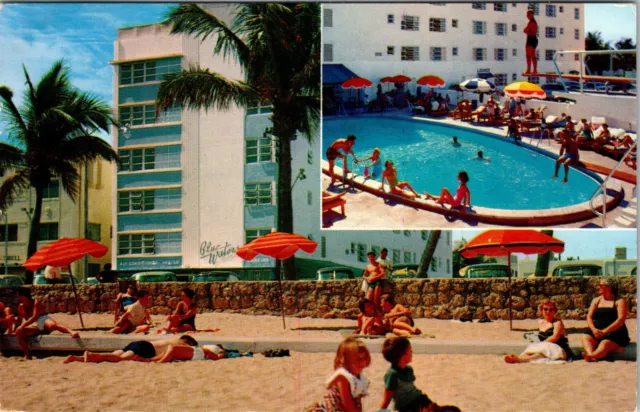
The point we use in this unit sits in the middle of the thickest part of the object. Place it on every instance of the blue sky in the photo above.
(585, 243)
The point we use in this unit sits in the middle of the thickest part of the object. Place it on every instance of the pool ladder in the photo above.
(602, 189)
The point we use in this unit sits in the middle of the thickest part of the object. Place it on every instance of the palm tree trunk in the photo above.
(427, 254)
(34, 231)
(542, 263)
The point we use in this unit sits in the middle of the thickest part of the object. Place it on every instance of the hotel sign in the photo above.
(149, 263)
(214, 253)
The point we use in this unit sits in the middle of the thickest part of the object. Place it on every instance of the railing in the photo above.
(603, 188)
(583, 53)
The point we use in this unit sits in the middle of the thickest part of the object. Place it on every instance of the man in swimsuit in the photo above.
(385, 262)
(568, 156)
(136, 317)
(333, 152)
(373, 274)
(531, 30)
(139, 351)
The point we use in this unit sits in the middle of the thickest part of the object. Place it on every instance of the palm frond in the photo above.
(84, 148)
(11, 115)
(198, 88)
(12, 187)
(308, 115)
(69, 178)
(11, 157)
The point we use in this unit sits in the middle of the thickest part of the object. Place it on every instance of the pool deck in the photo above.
(365, 210)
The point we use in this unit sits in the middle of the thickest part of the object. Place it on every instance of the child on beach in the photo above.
(373, 274)
(463, 195)
(183, 318)
(136, 318)
(7, 320)
(399, 380)
(369, 321)
(397, 318)
(347, 386)
(375, 166)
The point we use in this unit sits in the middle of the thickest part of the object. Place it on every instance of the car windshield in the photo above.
(578, 271)
(487, 273)
(324, 276)
(342, 274)
(212, 277)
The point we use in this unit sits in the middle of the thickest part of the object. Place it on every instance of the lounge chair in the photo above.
(331, 201)
(478, 113)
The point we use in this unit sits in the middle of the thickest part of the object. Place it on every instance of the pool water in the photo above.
(516, 178)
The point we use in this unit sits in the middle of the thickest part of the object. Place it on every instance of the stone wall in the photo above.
(429, 298)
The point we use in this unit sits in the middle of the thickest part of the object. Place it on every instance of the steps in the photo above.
(629, 216)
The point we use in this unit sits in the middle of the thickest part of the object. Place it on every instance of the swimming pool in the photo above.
(516, 178)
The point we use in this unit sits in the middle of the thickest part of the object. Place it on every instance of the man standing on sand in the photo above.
(385, 262)
(333, 152)
(569, 155)
(374, 273)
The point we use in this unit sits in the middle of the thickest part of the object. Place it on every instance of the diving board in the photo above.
(610, 79)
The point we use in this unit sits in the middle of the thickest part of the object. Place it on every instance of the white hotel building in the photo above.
(454, 41)
(195, 185)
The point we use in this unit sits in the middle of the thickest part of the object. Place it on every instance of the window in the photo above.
(501, 79)
(309, 197)
(407, 233)
(514, 27)
(535, 7)
(550, 32)
(550, 10)
(376, 250)
(390, 19)
(534, 80)
(548, 54)
(258, 150)
(438, 25)
(410, 53)
(448, 266)
(514, 77)
(391, 50)
(434, 264)
(479, 27)
(328, 53)
(362, 252)
(454, 23)
(514, 52)
(327, 21)
(500, 7)
(145, 200)
(310, 157)
(137, 159)
(407, 257)
(479, 54)
(48, 231)
(258, 194)
(479, 6)
(501, 29)
(148, 71)
(410, 23)
(378, 54)
(323, 247)
(500, 54)
(537, 54)
(353, 248)
(576, 58)
(551, 81)
(454, 51)
(93, 231)
(252, 234)
(12, 233)
(561, 31)
(52, 191)
(576, 13)
(437, 53)
(395, 256)
(424, 235)
(146, 114)
(150, 243)
(561, 9)
(576, 34)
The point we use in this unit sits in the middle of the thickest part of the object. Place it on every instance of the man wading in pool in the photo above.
(333, 152)
(568, 155)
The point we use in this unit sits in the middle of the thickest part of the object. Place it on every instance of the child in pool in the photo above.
(481, 157)
(390, 174)
(455, 142)
(463, 195)
(347, 386)
(376, 164)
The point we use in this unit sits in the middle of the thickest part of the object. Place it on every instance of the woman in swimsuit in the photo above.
(123, 300)
(553, 344)
(397, 318)
(33, 320)
(606, 319)
(396, 187)
(183, 318)
(463, 195)
(531, 30)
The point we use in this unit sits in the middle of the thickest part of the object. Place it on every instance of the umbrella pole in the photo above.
(278, 263)
(75, 293)
(509, 277)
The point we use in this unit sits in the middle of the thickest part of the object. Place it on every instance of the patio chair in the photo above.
(331, 201)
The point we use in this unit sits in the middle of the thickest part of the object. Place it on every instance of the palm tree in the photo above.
(427, 254)
(625, 61)
(542, 263)
(53, 135)
(594, 41)
(278, 49)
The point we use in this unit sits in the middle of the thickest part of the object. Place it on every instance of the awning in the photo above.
(335, 74)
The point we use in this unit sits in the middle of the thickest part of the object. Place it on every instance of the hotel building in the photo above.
(195, 185)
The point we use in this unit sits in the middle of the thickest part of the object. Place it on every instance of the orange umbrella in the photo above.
(525, 90)
(386, 79)
(505, 242)
(279, 246)
(356, 83)
(63, 252)
(431, 80)
(400, 78)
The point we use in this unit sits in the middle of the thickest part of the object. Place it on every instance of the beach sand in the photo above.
(472, 382)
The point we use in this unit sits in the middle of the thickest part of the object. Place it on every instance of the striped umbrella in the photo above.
(431, 80)
(525, 90)
(478, 85)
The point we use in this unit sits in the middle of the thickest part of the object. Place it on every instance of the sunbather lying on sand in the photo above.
(189, 353)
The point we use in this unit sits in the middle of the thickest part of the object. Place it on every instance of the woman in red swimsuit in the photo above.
(463, 195)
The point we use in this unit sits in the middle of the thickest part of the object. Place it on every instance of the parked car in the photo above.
(92, 281)
(41, 280)
(405, 272)
(334, 273)
(11, 280)
(485, 270)
(553, 87)
(214, 277)
(577, 269)
(154, 277)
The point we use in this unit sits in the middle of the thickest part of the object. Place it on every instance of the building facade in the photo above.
(61, 217)
(196, 185)
(453, 41)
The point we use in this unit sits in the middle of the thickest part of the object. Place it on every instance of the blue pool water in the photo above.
(515, 179)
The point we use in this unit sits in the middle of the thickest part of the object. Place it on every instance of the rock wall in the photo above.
(429, 298)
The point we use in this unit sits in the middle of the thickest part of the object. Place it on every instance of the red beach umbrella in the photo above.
(401, 78)
(356, 83)
(279, 246)
(431, 80)
(63, 252)
(386, 79)
(505, 242)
